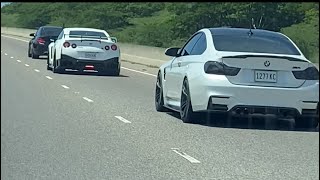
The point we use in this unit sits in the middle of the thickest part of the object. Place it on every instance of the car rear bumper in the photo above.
(226, 97)
(40, 49)
(67, 62)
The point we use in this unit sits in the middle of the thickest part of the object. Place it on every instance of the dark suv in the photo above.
(38, 45)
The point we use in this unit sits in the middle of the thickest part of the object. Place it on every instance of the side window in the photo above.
(38, 32)
(60, 35)
(189, 46)
(200, 46)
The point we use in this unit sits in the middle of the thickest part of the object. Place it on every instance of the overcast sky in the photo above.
(4, 3)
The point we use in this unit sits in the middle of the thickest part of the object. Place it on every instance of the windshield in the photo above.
(254, 44)
(51, 31)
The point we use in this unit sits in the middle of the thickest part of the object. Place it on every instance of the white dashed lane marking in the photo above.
(122, 119)
(64, 86)
(6, 54)
(48, 77)
(11, 57)
(36, 70)
(18, 61)
(87, 99)
(184, 155)
(27, 65)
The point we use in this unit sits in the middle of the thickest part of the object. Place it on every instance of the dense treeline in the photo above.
(169, 24)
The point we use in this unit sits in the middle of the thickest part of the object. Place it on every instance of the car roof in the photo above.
(242, 31)
(51, 27)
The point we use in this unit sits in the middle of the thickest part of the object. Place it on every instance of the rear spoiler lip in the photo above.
(267, 56)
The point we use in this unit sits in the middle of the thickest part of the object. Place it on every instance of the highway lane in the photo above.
(82, 139)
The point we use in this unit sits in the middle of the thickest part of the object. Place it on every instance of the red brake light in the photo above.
(106, 47)
(41, 41)
(114, 47)
(73, 45)
(66, 44)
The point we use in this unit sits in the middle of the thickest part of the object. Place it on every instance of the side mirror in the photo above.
(114, 39)
(52, 40)
(172, 52)
(32, 34)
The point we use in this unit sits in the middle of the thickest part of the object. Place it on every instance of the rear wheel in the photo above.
(159, 95)
(48, 66)
(55, 68)
(29, 53)
(306, 122)
(186, 111)
(115, 72)
(34, 56)
(111, 72)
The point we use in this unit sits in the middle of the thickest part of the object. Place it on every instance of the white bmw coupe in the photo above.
(84, 49)
(242, 72)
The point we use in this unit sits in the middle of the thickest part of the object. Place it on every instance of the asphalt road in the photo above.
(65, 126)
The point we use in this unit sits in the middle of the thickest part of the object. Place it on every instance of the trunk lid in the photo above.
(265, 70)
(93, 49)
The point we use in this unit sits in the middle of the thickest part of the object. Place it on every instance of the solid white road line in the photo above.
(143, 57)
(48, 77)
(184, 155)
(27, 65)
(6, 54)
(139, 72)
(122, 119)
(87, 99)
(36, 70)
(14, 38)
(18, 61)
(121, 67)
(64, 86)
(11, 57)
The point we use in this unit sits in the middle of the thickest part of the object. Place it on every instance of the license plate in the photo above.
(265, 76)
(90, 55)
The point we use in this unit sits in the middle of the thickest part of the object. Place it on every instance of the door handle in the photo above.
(179, 63)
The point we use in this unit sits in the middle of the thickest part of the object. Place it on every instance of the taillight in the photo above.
(213, 67)
(66, 44)
(73, 45)
(311, 73)
(106, 47)
(41, 41)
(114, 47)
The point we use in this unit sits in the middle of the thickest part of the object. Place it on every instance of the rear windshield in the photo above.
(88, 34)
(51, 31)
(254, 44)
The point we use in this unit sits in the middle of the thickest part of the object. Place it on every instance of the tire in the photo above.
(48, 67)
(55, 69)
(34, 56)
(158, 98)
(115, 72)
(306, 122)
(29, 54)
(186, 112)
